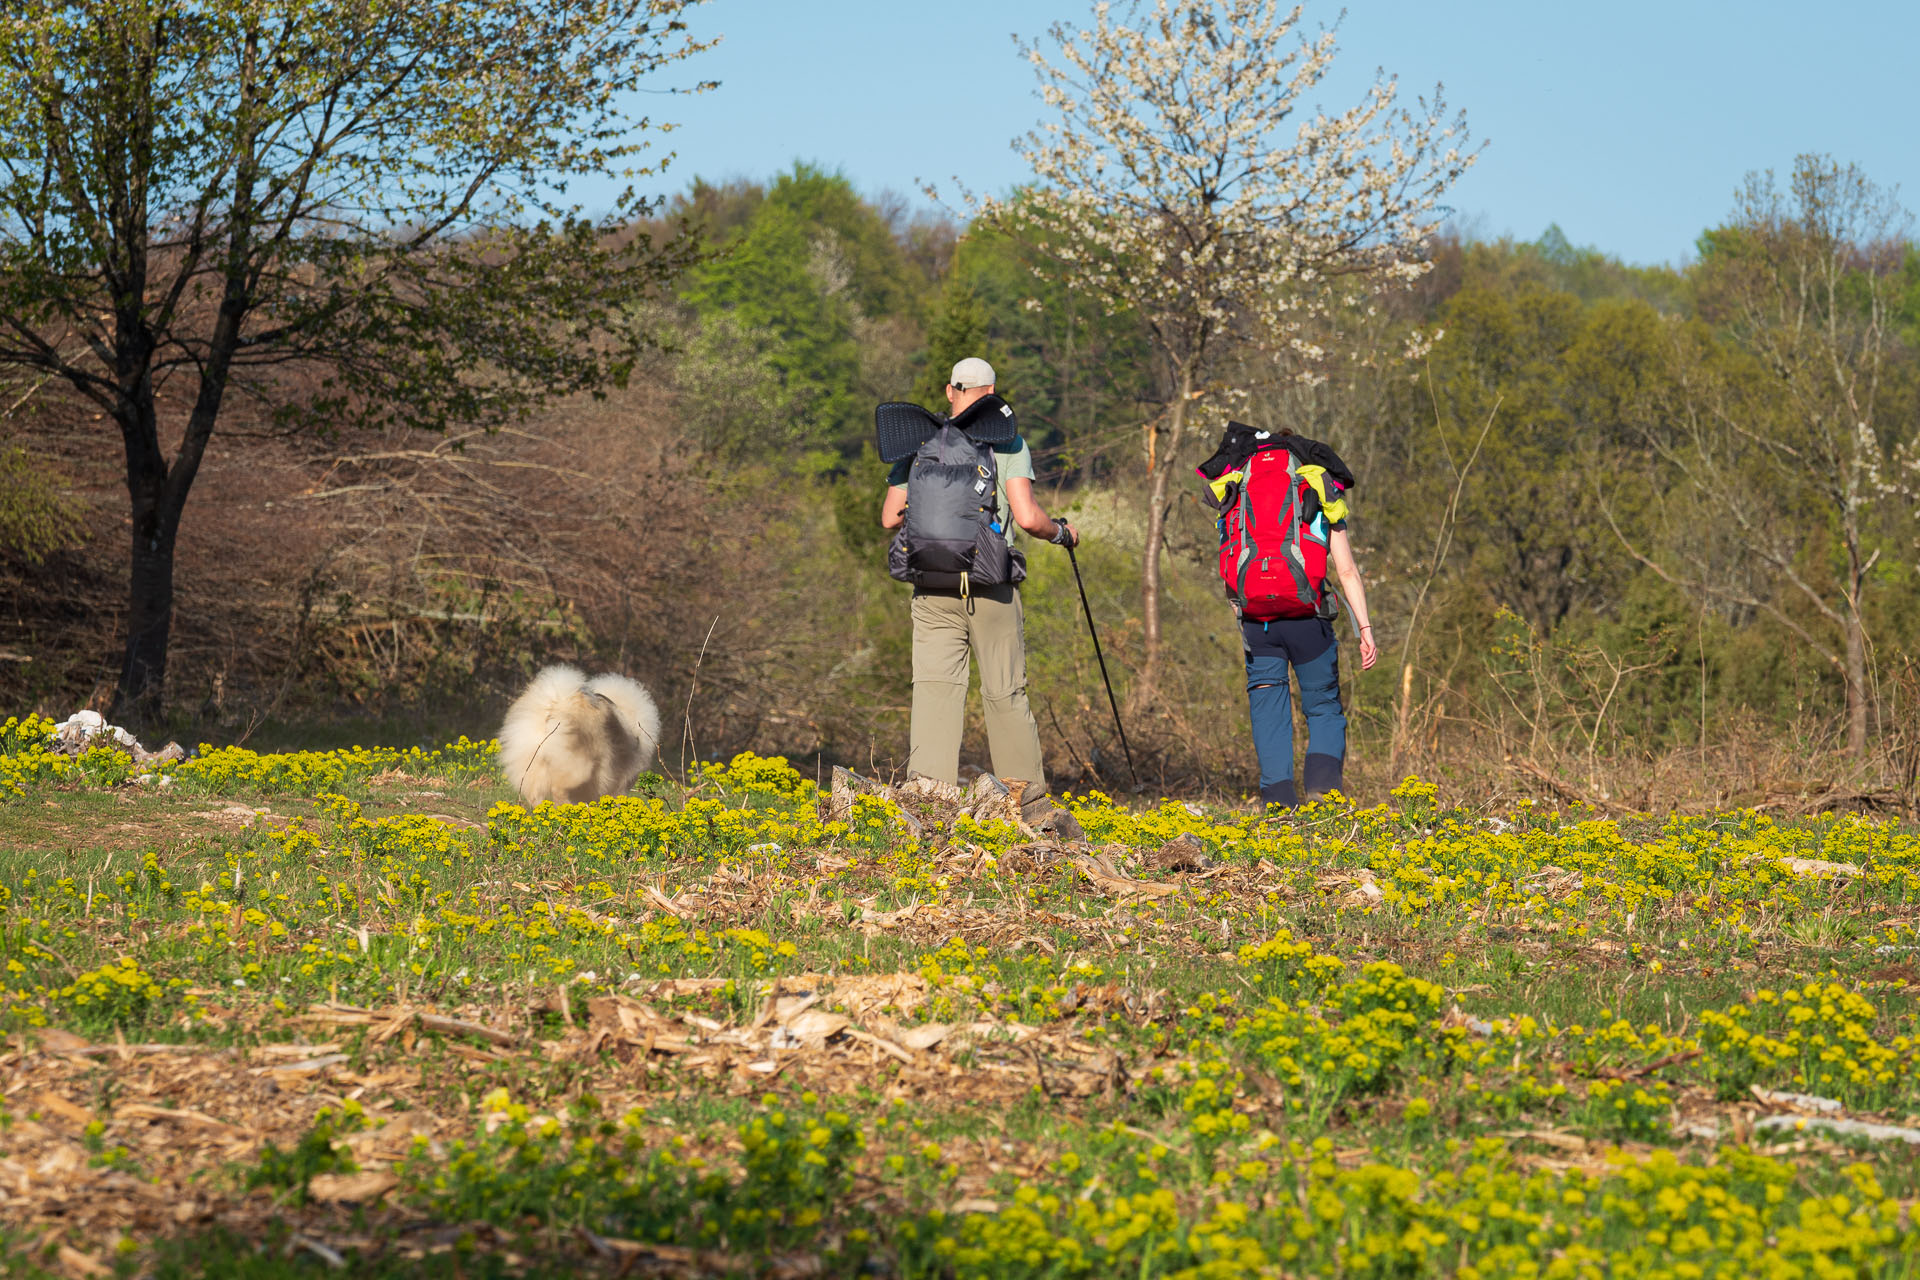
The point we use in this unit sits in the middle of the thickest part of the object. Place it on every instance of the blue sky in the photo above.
(1628, 123)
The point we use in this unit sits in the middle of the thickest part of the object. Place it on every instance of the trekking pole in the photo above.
(1101, 659)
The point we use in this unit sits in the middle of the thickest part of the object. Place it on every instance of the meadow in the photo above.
(278, 1014)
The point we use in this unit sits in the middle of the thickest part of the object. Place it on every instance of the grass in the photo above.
(398, 1021)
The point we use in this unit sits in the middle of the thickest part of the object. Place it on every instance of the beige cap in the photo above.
(972, 372)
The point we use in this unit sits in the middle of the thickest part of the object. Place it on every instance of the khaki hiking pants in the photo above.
(945, 629)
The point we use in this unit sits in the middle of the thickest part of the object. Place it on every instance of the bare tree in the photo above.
(1805, 468)
(1172, 187)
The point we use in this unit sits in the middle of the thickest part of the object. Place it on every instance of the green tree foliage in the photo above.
(803, 282)
(347, 208)
(879, 279)
(1552, 391)
(1554, 262)
(780, 289)
(1570, 362)
(1079, 378)
(1908, 307)
(959, 330)
(37, 517)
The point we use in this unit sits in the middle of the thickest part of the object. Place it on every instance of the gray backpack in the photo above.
(954, 536)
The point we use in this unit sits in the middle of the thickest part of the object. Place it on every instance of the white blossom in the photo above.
(1183, 181)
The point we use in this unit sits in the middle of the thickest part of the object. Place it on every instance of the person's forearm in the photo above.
(1040, 525)
(1356, 593)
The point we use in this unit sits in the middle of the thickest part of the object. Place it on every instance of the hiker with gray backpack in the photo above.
(960, 482)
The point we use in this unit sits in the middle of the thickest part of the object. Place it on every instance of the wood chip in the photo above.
(393, 1021)
(81, 1264)
(862, 993)
(885, 1046)
(297, 1050)
(461, 1027)
(919, 1039)
(1798, 1101)
(326, 1253)
(366, 1185)
(304, 1066)
(130, 1050)
(872, 919)
(141, 1111)
(1818, 867)
(52, 1103)
(59, 1040)
(685, 907)
(1185, 852)
(1550, 1137)
(815, 1026)
(1109, 880)
(924, 1036)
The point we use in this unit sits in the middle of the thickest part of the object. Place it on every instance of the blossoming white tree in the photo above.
(1184, 182)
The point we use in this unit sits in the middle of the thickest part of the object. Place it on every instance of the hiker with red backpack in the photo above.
(1282, 509)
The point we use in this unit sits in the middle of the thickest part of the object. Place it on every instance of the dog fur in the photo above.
(571, 740)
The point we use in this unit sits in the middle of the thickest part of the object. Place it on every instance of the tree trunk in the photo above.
(157, 492)
(140, 697)
(1854, 629)
(1165, 460)
(1398, 753)
(1856, 679)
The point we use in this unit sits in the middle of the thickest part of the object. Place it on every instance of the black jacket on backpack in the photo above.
(1240, 442)
(954, 534)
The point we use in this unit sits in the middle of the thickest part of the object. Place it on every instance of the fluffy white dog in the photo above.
(570, 739)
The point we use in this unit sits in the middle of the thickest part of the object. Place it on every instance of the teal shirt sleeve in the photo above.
(1014, 460)
(897, 476)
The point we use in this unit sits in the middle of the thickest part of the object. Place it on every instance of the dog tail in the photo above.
(534, 720)
(636, 710)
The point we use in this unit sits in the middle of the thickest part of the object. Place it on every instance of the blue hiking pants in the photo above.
(1269, 705)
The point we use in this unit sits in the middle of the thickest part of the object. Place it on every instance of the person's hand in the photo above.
(1064, 534)
(1369, 651)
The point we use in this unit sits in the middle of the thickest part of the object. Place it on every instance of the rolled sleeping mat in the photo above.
(989, 420)
(900, 427)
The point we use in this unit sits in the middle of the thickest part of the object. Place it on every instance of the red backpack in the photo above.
(1273, 562)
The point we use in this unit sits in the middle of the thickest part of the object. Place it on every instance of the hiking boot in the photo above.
(1280, 793)
(1321, 775)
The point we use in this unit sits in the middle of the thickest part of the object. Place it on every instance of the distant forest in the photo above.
(1632, 535)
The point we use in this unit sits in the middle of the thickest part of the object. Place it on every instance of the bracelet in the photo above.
(1366, 626)
(1059, 538)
